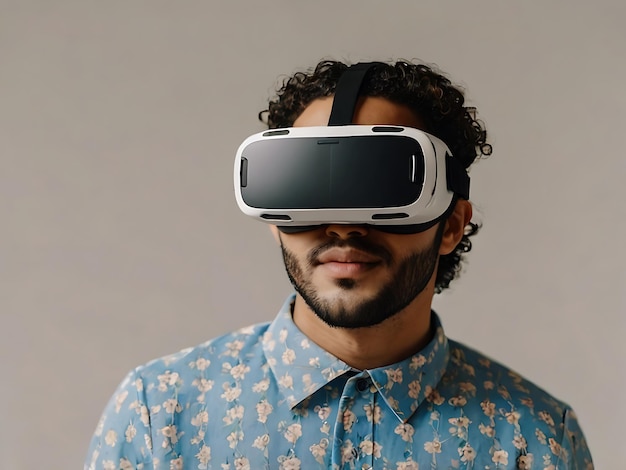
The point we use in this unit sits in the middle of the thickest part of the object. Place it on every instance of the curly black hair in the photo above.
(427, 92)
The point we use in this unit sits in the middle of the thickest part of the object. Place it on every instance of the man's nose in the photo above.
(346, 231)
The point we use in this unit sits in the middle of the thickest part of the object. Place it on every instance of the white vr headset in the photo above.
(398, 179)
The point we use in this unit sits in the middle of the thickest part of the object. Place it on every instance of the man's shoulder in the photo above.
(488, 378)
(234, 347)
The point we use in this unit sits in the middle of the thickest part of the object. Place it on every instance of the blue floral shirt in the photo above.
(266, 397)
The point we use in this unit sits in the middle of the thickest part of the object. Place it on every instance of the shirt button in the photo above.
(362, 385)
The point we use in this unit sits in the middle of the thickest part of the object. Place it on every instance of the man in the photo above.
(355, 372)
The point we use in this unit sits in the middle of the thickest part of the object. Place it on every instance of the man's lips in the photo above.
(343, 255)
(344, 263)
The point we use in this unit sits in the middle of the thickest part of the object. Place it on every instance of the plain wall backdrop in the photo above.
(120, 240)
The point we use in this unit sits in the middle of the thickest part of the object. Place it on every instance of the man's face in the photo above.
(355, 276)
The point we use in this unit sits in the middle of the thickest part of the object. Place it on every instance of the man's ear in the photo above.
(455, 226)
(276, 233)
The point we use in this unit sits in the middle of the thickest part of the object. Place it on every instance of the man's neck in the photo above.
(380, 345)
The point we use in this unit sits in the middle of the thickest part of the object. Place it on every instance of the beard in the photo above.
(409, 277)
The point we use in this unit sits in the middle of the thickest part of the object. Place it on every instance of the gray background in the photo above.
(121, 241)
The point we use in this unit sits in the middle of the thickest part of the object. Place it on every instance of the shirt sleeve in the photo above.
(122, 439)
(574, 447)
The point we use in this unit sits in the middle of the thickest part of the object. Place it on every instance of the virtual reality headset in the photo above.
(397, 179)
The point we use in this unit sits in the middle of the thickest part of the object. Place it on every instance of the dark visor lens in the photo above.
(332, 173)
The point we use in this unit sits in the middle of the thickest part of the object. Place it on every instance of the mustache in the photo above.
(359, 244)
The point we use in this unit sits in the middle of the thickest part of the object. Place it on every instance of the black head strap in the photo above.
(457, 178)
(347, 93)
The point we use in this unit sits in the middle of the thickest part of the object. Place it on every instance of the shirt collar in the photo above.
(301, 367)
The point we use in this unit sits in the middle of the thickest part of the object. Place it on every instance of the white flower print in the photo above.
(547, 463)
(130, 433)
(512, 417)
(261, 442)
(393, 403)
(261, 386)
(467, 453)
(239, 371)
(488, 385)
(369, 447)
(314, 362)
(460, 426)
(305, 344)
(233, 414)
(469, 369)
(172, 406)
(408, 465)
(405, 431)
(286, 381)
(176, 464)
(348, 452)
(433, 396)
(170, 434)
(417, 362)
(270, 344)
(148, 440)
(201, 364)
(500, 457)
(242, 463)
(467, 387)
(126, 465)
(319, 450)
(230, 393)
(198, 438)
(414, 389)
(546, 418)
(504, 393)
(204, 456)
(373, 413)
(111, 438)
(528, 402)
(323, 412)
(108, 465)
(293, 433)
(282, 336)
(203, 385)
(233, 438)
(309, 386)
(349, 418)
(155, 409)
(457, 401)
(433, 447)
(525, 462)
(234, 348)
(119, 400)
(393, 376)
(289, 463)
(263, 409)
(167, 379)
(200, 419)
(557, 450)
(489, 408)
(461, 421)
(519, 442)
(487, 430)
(541, 437)
(289, 355)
